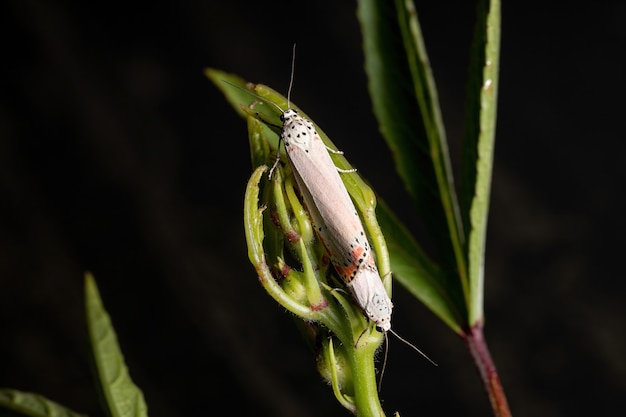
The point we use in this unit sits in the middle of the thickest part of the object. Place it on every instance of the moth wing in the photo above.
(326, 197)
(369, 292)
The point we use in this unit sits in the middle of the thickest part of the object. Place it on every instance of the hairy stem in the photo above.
(364, 380)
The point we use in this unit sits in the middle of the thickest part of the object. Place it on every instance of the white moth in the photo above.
(334, 217)
(336, 220)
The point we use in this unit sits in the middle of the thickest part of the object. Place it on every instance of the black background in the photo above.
(117, 155)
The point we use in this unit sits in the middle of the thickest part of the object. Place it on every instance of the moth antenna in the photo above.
(253, 95)
(293, 68)
(382, 369)
(413, 346)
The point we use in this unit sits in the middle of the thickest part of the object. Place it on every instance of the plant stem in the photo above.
(482, 358)
(364, 380)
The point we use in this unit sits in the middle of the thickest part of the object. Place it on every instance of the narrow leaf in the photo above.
(417, 273)
(15, 403)
(479, 143)
(405, 103)
(123, 398)
(234, 96)
(426, 94)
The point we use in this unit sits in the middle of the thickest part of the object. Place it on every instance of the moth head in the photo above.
(383, 326)
(288, 114)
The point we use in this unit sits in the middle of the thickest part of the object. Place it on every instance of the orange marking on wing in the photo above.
(358, 252)
(346, 272)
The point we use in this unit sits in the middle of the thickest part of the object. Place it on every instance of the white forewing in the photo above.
(369, 292)
(335, 218)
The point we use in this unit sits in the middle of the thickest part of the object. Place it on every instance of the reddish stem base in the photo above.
(482, 358)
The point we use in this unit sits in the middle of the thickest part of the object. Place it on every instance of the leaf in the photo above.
(418, 274)
(123, 398)
(405, 103)
(479, 144)
(17, 403)
(259, 148)
(235, 96)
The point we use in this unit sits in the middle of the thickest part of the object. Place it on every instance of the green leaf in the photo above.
(122, 397)
(257, 138)
(235, 96)
(15, 403)
(479, 145)
(417, 273)
(406, 105)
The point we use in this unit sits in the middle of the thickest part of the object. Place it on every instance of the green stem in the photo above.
(364, 380)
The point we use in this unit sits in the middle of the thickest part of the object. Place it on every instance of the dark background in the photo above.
(118, 156)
